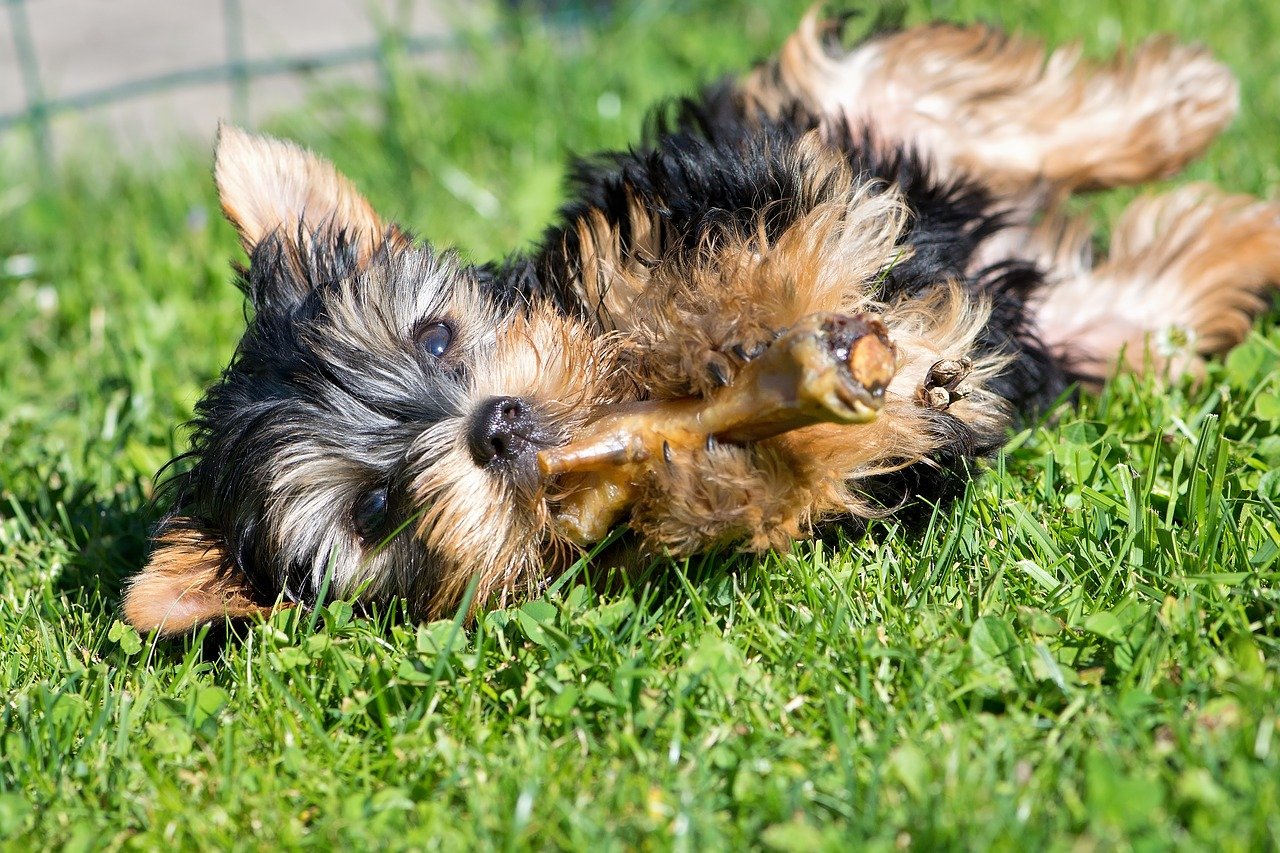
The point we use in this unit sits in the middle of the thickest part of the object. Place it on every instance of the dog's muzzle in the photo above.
(502, 430)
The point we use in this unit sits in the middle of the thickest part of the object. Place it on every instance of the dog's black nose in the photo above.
(500, 430)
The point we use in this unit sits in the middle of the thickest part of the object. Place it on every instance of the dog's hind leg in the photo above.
(1001, 107)
(1187, 273)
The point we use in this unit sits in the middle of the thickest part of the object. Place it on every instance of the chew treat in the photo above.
(828, 368)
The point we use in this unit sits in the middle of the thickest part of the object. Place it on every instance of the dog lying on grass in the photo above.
(815, 293)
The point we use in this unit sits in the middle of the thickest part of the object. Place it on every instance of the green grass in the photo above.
(1084, 651)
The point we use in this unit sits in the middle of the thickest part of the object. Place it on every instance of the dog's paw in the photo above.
(941, 386)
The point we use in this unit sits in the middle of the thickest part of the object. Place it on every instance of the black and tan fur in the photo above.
(375, 433)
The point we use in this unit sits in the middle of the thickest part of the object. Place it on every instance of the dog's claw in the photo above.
(718, 371)
(748, 353)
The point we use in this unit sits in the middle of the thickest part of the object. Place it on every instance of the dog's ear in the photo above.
(272, 187)
(188, 581)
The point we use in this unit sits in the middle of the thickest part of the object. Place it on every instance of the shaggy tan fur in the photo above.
(1002, 108)
(1187, 273)
(268, 185)
(685, 319)
(185, 585)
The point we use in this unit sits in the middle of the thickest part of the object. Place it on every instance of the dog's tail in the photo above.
(1187, 274)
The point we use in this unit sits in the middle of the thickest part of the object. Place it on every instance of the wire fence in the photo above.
(237, 70)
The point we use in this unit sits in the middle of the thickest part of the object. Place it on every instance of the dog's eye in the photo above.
(434, 338)
(370, 512)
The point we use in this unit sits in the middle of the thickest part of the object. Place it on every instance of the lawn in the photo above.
(1083, 651)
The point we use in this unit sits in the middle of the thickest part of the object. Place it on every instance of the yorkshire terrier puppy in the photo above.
(816, 292)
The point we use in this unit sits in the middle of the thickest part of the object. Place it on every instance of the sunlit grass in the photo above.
(1084, 648)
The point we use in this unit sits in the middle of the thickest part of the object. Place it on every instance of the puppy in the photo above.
(816, 292)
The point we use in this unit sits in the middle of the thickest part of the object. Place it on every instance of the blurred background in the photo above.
(146, 72)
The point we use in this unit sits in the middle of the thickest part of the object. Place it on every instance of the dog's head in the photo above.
(376, 431)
